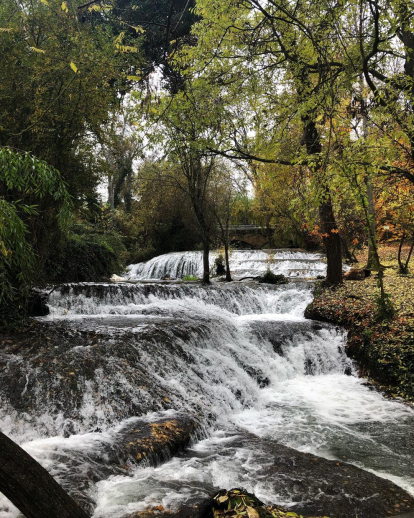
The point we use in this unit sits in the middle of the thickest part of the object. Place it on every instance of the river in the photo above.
(239, 356)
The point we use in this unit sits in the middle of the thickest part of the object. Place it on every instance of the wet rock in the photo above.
(321, 487)
(37, 305)
(271, 278)
(154, 442)
(357, 274)
(262, 380)
(139, 441)
(197, 511)
(57, 369)
(280, 334)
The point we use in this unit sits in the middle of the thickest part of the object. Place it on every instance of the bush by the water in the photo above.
(219, 265)
(271, 278)
(190, 278)
(88, 257)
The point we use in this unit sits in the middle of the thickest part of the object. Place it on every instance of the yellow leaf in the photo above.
(119, 38)
(73, 67)
(65, 7)
(133, 78)
(45, 2)
(100, 8)
(39, 51)
(126, 48)
(252, 513)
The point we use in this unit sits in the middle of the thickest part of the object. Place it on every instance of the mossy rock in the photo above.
(271, 278)
(239, 503)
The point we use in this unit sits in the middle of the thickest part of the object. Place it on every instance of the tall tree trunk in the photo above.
(401, 266)
(226, 256)
(372, 262)
(332, 242)
(226, 252)
(331, 238)
(409, 256)
(111, 193)
(224, 229)
(206, 261)
(128, 192)
(270, 236)
(30, 487)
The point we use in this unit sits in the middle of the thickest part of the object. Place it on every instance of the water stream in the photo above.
(242, 357)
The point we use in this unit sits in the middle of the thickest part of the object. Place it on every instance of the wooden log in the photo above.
(30, 487)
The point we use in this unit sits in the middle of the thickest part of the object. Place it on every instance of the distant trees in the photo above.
(314, 101)
(119, 146)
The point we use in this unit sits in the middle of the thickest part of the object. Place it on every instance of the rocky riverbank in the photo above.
(384, 349)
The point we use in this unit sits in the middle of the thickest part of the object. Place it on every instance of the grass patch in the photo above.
(189, 278)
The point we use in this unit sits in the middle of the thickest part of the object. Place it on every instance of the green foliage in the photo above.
(61, 74)
(88, 257)
(271, 278)
(190, 278)
(238, 502)
(384, 348)
(26, 183)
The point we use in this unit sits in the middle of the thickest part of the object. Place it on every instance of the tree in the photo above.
(165, 26)
(30, 487)
(61, 73)
(27, 186)
(120, 145)
(224, 191)
(162, 218)
(261, 44)
(182, 129)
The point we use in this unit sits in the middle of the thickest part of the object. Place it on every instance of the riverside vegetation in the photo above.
(133, 131)
(383, 345)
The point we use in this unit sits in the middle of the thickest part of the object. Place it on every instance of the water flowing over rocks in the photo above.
(141, 395)
(244, 263)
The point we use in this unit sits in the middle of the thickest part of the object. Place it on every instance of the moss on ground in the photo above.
(384, 349)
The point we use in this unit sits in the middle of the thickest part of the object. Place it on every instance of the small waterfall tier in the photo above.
(243, 263)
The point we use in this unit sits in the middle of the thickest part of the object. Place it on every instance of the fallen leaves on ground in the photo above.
(384, 349)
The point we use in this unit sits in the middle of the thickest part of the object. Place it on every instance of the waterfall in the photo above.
(243, 263)
(240, 357)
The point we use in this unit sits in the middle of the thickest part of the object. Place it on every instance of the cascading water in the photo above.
(243, 263)
(242, 358)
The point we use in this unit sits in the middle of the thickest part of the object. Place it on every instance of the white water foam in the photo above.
(243, 263)
(255, 364)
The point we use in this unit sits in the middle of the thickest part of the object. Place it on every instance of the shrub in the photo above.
(88, 257)
(189, 278)
(271, 278)
(34, 197)
(219, 265)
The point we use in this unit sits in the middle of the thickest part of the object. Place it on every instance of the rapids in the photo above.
(244, 263)
(241, 357)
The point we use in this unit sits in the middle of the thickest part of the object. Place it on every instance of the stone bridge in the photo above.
(248, 236)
